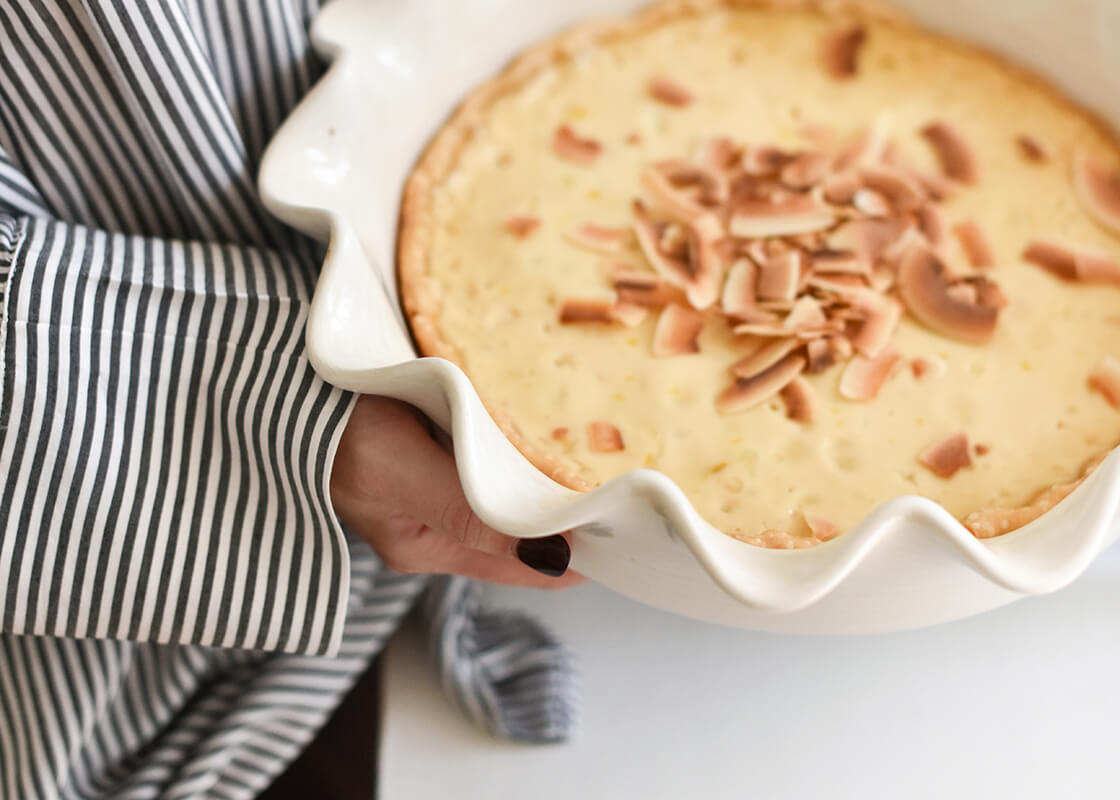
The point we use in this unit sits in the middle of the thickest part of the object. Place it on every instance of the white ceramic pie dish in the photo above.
(336, 169)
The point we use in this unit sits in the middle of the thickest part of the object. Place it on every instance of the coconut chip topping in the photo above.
(1071, 264)
(975, 244)
(1031, 149)
(571, 147)
(948, 457)
(521, 227)
(811, 257)
(952, 150)
(797, 397)
(669, 92)
(597, 238)
(1098, 189)
(840, 51)
(603, 437)
(1106, 380)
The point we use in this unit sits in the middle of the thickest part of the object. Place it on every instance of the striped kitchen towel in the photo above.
(179, 608)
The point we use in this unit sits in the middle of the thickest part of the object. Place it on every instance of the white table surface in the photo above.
(1023, 703)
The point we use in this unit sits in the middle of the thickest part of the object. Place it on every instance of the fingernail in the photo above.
(549, 556)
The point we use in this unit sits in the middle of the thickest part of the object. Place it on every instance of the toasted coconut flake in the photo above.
(1097, 267)
(799, 214)
(766, 356)
(747, 392)
(673, 270)
(597, 238)
(876, 331)
(987, 292)
(717, 154)
(766, 329)
(581, 311)
(780, 276)
(739, 298)
(638, 288)
(1090, 266)
(840, 187)
(703, 286)
(981, 449)
(924, 368)
(764, 161)
(975, 244)
(522, 226)
(843, 286)
(824, 353)
(713, 184)
(837, 262)
(947, 457)
(868, 238)
(864, 377)
(820, 355)
(1098, 188)
(924, 283)
(937, 188)
(805, 170)
(572, 147)
(869, 146)
(910, 237)
(629, 314)
(1031, 149)
(901, 192)
(674, 241)
(669, 92)
(871, 203)
(677, 332)
(809, 242)
(806, 314)
(931, 224)
(756, 250)
(882, 278)
(666, 197)
(963, 293)
(797, 397)
(952, 150)
(559, 434)
(833, 326)
(1052, 257)
(820, 527)
(840, 51)
(1106, 380)
(603, 437)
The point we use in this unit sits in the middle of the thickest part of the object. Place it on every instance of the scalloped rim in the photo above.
(1009, 561)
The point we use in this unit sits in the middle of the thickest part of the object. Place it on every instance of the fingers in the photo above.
(439, 553)
(414, 513)
(495, 569)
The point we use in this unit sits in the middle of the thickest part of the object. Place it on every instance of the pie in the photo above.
(802, 257)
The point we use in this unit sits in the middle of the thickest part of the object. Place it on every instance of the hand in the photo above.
(394, 485)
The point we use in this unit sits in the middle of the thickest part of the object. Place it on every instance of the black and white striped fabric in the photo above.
(505, 671)
(179, 607)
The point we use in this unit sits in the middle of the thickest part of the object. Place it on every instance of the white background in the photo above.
(1023, 702)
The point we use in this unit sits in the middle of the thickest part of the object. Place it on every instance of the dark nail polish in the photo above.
(549, 556)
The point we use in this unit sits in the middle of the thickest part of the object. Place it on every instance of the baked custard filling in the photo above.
(799, 261)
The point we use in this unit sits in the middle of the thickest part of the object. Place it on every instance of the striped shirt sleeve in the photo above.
(165, 447)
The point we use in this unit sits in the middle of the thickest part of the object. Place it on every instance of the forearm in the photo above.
(164, 446)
